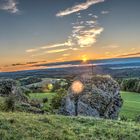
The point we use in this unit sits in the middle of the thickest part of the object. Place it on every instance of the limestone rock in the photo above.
(99, 98)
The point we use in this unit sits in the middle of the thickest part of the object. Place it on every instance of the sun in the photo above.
(84, 58)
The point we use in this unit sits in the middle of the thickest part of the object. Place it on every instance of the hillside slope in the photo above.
(21, 126)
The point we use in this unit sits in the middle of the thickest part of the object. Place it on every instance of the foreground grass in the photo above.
(131, 106)
(22, 126)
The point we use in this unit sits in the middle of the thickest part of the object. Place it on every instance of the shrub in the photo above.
(9, 103)
(137, 119)
(1, 106)
(131, 85)
(123, 118)
(36, 103)
(56, 100)
(56, 86)
(6, 87)
(30, 80)
(138, 87)
(45, 100)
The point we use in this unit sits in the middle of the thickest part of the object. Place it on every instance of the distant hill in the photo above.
(117, 68)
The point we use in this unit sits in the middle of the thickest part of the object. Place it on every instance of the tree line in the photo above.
(131, 85)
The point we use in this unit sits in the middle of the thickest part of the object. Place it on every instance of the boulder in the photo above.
(100, 97)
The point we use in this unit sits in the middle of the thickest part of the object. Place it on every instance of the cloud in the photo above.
(32, 50)
(60, 59)
(105, 12)
(57, 51)
(31, 63)
(66, 54)
(67, 43)
(59, 45)
(86, 35)
(113, 46)
(17, 64)
(9, 5)
(130, 54)
(78, 7)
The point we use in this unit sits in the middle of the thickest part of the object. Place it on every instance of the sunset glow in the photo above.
(65, 31)
(84, 58)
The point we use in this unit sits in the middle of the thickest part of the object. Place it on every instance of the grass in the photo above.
(23, 126)
(131, 106)
(47, 106)
(42, 95)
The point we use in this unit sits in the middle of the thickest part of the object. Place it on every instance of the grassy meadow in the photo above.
(25, 126)
(131, 106)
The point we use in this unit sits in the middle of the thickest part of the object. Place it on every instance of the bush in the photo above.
(123, 118)
(56, 86)
(137, 119)
(1, 105)
(36, 103)
(36, 89)
(9, 103)
(131, 85)
(56, 100)
(45, 100)
(7, 86)
(138, 87)
(30, 80)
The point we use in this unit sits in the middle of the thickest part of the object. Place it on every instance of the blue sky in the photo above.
(62, 30)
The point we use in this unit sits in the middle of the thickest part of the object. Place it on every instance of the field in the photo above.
(41, 95)
(130, 109)
(23, 126)
(131, 106)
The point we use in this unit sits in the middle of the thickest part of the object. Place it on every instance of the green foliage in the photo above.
(137, 119)
(40, 96)
(61, 84)
(123, 118)
(56, 100)
(37, 89)
(131, 85)
(45, 100)
(6, 86)
(9, 103)
(56, 86)
(29, 80)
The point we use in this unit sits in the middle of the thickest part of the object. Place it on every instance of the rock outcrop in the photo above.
(100, 98)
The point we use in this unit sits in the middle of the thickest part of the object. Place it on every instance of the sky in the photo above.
(45, 31)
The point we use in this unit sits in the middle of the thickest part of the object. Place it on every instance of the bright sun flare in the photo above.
(84, 59)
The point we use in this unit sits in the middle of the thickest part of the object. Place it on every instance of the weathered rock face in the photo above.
(99, 98)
